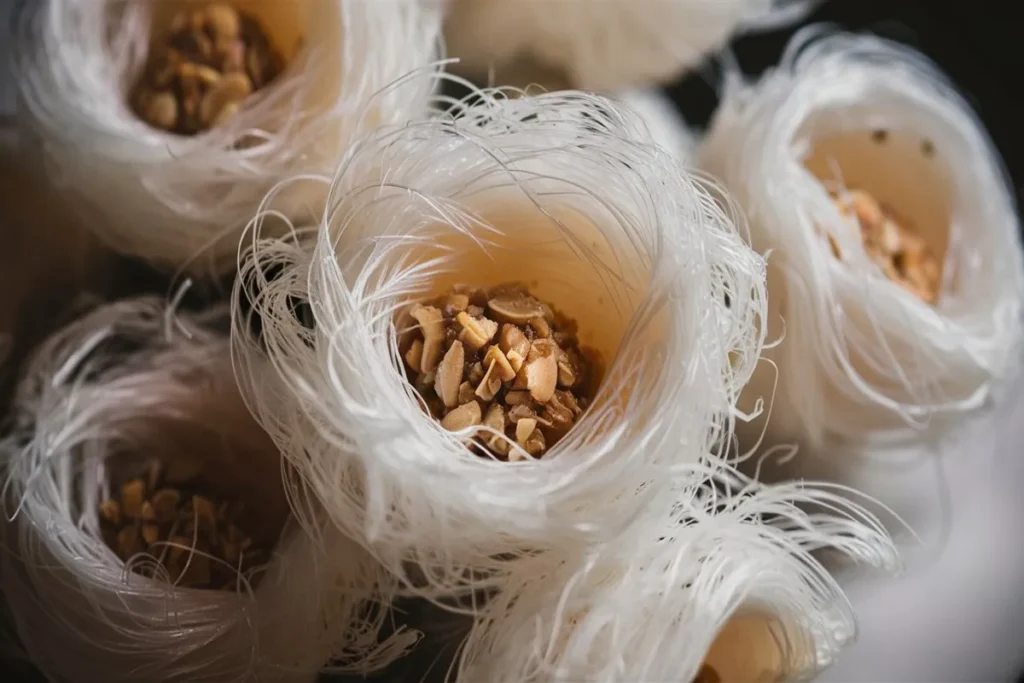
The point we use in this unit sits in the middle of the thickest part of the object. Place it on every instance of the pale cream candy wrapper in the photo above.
(566, 192)
(183, 201)
(89, 403)
(723, 580)
(860, 357)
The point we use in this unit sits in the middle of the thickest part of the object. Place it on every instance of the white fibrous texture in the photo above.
(666, 124)
(861, 356)
(718, 575)
(124, 384)
(183, 201)
(599, 45)
(565, 192)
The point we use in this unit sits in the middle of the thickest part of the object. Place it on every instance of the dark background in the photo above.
(976, 43)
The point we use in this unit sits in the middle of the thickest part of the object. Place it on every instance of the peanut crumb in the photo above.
(449, 375)
(181, 531)
(900, 253)
(213, 57)
(508, 362)
(466, 415)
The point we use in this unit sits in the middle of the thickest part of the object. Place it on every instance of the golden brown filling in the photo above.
(503, 360)
(212, 59)
(199, 541)
(903, 256)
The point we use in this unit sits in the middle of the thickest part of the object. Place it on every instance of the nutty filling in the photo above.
(200, 542)
(500, 359)
(902, 255)
(213, 58)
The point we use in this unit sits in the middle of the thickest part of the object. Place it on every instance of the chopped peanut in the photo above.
(899, 253)
(525, 378)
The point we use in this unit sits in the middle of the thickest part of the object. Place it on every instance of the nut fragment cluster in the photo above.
(213, 58)
(198, 541)
(903, 256)
(503, 361)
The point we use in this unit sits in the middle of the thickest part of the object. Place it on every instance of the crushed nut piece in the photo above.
(160, 109)
(222, 93)
(520, 382)
(490, 384)
(510, 363)
(514, 341)
(449, 375)
(495, 419)
(533, 444)
(466, 393)
(476, 331)
(542, 370)
(502, 368)
(559, 410)
(223, 20)
(213, 58)
(521, 412)
(476, 372)
(902, 255)
(517, 398)
(131, 498)
(150, 533)
(466, 415)
(540, 327)
(457, 303)
(432, 327)
(415, 355)
(515, 360)
(566, 371)
(515, 307)
(524, 428)
(182, 532)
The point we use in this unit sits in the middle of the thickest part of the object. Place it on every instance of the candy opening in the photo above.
(894, 189)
